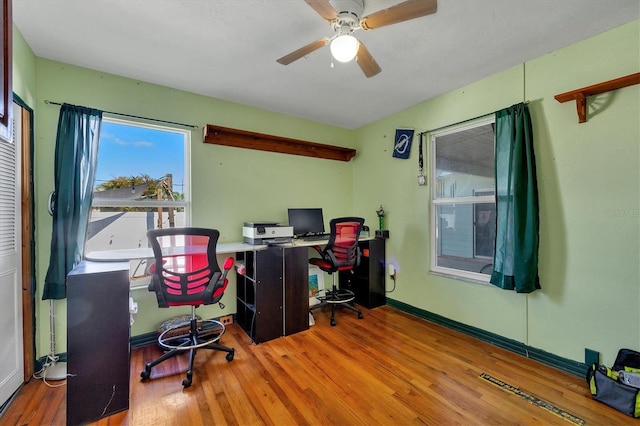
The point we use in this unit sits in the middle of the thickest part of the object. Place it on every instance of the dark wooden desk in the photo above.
(273, 295)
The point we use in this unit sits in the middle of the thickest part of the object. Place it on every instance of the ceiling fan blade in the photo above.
(303, 51)
(367, 64)
(404, 11)
(323, 8)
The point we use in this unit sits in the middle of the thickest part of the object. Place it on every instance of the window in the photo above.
(463, 226)
(142, 183)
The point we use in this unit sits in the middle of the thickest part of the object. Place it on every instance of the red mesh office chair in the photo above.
(186, 272)
(340, 254)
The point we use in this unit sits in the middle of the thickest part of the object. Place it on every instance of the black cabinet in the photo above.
(97, 341)
(368, 280)
(259, 294)
(273, 294)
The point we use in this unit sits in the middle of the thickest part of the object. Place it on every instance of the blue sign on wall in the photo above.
(402, 143)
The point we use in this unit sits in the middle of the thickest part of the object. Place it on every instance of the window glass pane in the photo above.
(465, 236)
(139, 163)
(484, 215)
(121, 228)
(463, 203)
(464, 162)
(140, 184)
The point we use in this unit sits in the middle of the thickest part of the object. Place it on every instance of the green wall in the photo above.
(229, 185)
(24, 69)
(588, 180)
(589, 188)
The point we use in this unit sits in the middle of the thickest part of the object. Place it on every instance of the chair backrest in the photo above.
(342, 249)
(186, 270)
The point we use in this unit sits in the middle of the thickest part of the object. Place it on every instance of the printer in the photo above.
(266, 232)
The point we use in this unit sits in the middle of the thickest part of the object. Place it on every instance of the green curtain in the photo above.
(76, 158)
(515, 259)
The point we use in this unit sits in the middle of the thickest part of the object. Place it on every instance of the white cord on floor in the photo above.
(41, 374)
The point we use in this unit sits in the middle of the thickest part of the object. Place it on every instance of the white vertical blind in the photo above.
(8, 185)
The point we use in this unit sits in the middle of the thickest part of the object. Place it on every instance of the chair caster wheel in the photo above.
(146, 373)
(333, 323)
(360, 316)
(187, 381)
(230, 355)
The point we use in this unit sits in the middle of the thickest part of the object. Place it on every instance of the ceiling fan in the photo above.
(345, 17)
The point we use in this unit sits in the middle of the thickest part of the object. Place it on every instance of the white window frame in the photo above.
(436, 202)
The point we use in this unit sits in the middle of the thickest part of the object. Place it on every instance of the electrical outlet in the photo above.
(227, 319)
(391, 270)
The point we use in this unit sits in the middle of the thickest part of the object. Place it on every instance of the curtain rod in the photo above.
(461, 122)
(191, 126)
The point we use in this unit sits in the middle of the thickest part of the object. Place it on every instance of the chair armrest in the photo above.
(226, 267)
(218, 282)
(318, 249)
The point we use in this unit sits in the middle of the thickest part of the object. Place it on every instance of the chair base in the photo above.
(205, 337)
(337, 297)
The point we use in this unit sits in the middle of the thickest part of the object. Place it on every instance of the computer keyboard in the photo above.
(316, 237)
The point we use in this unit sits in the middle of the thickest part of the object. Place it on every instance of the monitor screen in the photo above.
(306, 221)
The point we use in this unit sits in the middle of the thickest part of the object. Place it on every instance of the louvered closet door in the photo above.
(11, 348)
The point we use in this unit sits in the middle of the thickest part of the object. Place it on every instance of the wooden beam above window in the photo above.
(218, 135)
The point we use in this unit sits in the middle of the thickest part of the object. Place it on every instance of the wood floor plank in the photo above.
(388, 368)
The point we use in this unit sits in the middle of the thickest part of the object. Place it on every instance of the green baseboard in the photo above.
(134, 342)
(143, 339)
(563, 364)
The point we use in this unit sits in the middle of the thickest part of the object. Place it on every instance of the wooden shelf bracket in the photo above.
(218, 135)
(581, 95)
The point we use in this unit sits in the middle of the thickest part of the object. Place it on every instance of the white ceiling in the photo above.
(227, 49)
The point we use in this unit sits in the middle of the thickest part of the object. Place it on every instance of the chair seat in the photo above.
(327, 266)
(321, 263)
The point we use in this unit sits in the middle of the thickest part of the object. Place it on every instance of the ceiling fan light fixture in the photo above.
(344, 48)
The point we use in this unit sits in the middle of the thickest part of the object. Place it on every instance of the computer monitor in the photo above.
(306, 221)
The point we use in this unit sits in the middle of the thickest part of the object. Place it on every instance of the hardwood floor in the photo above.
(389, 368)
